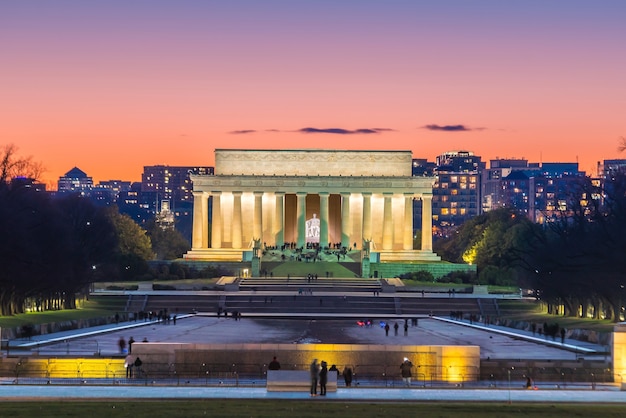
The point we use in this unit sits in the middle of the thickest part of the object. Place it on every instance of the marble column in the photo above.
(367, 216)
(216, 220)
(427, 222)
(199, 219)
(257, 221)
(387, 222)
(237, 228)
(301, 219)
(346, 227)
(324, 239)
(407, 242)
(279, 219)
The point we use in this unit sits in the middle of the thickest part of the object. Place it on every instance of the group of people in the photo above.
(396, 327)
(133, 366)
(319, 373)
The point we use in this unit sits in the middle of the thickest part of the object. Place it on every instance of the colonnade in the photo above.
(233, 218)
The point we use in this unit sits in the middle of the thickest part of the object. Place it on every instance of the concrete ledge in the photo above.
(296, 381)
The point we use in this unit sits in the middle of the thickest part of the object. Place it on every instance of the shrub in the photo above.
(420, 276)
(458, 277)
(157, 286)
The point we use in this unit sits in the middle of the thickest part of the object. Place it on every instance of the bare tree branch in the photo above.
(621, 147)
(12, 166)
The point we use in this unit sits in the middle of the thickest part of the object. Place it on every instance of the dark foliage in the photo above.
(50, 249)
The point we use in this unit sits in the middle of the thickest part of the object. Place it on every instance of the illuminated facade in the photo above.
(363, 200)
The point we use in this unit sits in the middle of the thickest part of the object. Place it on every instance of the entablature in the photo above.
(314, 184)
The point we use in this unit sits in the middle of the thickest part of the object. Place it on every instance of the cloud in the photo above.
(451, 128)
(310, 130)
(243, 132)
(341, 131)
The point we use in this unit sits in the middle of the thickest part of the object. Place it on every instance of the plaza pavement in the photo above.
(495, 342)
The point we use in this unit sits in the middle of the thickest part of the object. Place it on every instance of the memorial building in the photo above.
(359, 200)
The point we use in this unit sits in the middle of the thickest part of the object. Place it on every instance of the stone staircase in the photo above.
(297, 284)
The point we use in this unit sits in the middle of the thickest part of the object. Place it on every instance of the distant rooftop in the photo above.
(76, 173)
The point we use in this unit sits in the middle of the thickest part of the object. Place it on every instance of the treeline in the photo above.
(576, 260)
(50, 249)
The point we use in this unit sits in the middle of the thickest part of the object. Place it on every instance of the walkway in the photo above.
(606, 394)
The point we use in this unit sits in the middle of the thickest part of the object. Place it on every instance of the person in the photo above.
(323, 378)
(314, 370)
(138, 364)
(387, 330)
(347, 376)
(406, 328)
(131, 340)
(529, 383)
(129, 363)
(122, 344)
(405, 371)
(333, 368)
(562, 335)
(395, 329)
(274, 364)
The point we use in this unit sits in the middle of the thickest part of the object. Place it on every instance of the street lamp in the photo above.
(509, 373)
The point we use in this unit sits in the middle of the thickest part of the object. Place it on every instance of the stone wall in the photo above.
(447, 363)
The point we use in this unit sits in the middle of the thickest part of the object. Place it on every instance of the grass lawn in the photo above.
(89, 310)
(533, 313)
(301, 409)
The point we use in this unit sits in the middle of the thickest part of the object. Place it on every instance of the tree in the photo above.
(86, 247)
(12, 166)
(167, 243)
(493, 239)
(134, 247)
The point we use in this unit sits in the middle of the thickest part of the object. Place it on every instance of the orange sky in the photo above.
(113, 86)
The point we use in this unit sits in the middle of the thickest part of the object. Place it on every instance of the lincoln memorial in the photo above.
(360, 200)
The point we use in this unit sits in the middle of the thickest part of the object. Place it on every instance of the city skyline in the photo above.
(114, 86)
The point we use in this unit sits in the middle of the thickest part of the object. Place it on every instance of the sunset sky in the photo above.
(111, 86)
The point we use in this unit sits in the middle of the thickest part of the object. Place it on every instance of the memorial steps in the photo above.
(310, 305)
(321, 284)
(277, 296)
(183, 304)
(440, 306)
